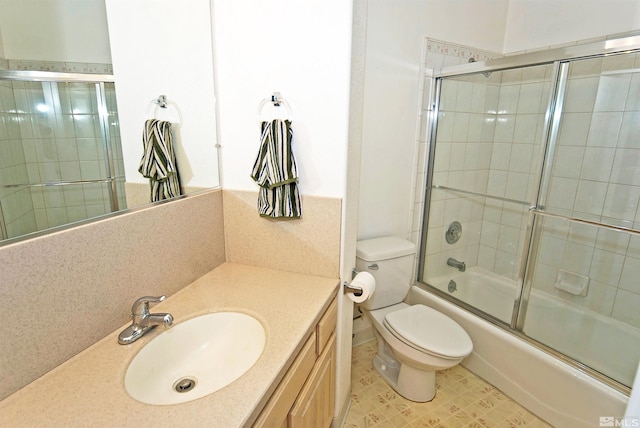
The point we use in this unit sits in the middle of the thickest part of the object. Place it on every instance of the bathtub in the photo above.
(555, 391)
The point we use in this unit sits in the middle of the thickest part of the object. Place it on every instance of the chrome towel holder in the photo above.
(276, 100)
(163, 103)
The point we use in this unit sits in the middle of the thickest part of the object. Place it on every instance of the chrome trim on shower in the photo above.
(553, 118)
(434, 108)
(612, 227)
(103, 113)
(483, 195)
(57, 183)
(587, 50)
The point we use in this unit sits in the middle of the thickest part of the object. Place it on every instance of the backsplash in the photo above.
(64, 291)
(309, 245)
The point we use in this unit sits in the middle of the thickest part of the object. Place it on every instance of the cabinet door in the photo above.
(275, 413)
(314, 406)
(326, 326)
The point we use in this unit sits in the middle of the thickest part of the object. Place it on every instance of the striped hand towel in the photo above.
(158, 161)
(276, 172)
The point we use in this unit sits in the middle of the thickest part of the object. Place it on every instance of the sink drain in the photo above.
(184, 384)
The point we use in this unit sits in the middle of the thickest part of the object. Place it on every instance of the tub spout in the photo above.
(456, 264)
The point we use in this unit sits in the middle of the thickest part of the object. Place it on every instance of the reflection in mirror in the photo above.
(60, 151)
(62, 162)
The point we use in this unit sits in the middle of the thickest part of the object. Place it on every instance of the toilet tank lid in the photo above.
(384, 248)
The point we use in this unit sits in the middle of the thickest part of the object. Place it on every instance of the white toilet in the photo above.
(413, 341)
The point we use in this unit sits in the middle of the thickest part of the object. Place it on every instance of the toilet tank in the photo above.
(390, 260)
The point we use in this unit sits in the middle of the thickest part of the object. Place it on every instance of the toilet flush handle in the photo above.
(354, 272)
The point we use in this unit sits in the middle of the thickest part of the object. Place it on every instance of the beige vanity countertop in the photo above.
(88, 389)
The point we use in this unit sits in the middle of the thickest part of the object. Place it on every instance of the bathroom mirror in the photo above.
(59, 162)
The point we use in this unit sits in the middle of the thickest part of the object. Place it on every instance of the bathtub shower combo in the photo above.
(532, 222)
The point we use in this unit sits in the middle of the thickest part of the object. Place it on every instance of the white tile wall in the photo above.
(17, 214)
(606, 189)
(51, 132)
(497, 155)
(495, 147)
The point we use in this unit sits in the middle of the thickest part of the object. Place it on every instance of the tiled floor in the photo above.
(462, 400)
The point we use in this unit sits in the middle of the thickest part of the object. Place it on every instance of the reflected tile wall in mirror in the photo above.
(51, 134)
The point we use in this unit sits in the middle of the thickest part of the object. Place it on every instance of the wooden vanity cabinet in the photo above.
(305, 396)
(314, 405)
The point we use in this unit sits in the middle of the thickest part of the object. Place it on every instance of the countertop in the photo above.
(88, 389)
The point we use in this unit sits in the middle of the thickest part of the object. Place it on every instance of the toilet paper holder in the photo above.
(348, 288)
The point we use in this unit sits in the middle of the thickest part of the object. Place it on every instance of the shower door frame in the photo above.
(560, 58)
(61, 77)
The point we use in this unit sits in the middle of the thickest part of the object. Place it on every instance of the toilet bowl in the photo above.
(413, 340)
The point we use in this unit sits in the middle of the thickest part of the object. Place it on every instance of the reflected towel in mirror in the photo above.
(158, 161)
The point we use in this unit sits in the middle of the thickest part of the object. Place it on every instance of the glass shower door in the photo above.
(486, 159)
(532, 208)
(582, 290)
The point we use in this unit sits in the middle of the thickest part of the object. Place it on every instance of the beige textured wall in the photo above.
(62, 292)
(309, 245)
(138, 193)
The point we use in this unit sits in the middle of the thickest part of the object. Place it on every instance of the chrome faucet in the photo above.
(456, 264)
(143, 321)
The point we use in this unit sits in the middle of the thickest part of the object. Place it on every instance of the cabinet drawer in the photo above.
(275, 412)
(314, 406)
(326, 326)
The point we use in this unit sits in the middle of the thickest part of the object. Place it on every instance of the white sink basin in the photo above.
(195, 358)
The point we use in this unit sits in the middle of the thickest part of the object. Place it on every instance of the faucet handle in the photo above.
(141, 306)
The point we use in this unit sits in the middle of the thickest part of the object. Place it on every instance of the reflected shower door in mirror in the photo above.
(60, 151)
(489, 141)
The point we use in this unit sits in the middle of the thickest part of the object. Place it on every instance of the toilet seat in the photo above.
(429, 331)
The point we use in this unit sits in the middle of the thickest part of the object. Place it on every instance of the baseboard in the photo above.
(339, 421)
(362, 331)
